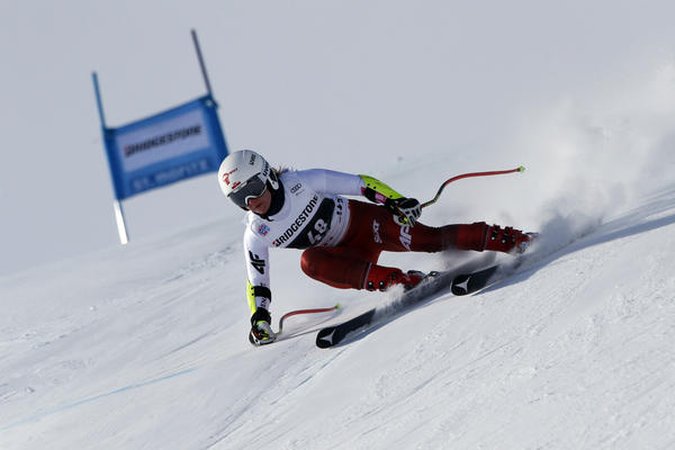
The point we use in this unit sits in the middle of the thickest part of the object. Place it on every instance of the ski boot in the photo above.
(507, 239)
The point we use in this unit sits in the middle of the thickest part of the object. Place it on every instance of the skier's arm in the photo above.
(406, 210)
(258, 291)
(376, 191)
(332, 182)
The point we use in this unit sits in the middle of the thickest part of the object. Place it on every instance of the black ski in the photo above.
(433, 284)
(331, 336)
(462, 284)
(469, 283)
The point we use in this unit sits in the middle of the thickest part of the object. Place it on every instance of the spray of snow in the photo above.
(592, 154)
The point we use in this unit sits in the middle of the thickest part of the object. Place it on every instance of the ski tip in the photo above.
(521, 169)
(469, 283)
(325, 337)
(460, 285)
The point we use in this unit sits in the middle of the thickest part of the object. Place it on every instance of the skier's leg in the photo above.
(341, 268)
(376, 227)
(477, 236)
(353, 263)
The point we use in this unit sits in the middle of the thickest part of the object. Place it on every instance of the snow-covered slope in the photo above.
(145, 347)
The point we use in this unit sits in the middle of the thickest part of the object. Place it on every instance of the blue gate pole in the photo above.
(117, 204)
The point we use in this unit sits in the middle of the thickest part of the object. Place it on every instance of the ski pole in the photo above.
(305, 311)
(470, 175)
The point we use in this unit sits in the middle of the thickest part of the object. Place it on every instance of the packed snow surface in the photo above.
(145, 347)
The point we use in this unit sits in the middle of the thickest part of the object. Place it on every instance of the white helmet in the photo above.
(244, 175)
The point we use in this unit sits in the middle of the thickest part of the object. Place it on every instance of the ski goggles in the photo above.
(254, 188)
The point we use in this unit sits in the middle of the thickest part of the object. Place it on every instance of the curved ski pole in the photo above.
(470, 175)
(304, 311)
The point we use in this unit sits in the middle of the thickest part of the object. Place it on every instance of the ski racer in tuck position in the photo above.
(342, 238)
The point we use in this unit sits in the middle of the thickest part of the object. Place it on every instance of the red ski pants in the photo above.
(371, 231)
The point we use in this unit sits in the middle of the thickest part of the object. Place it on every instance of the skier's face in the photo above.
(260, 205)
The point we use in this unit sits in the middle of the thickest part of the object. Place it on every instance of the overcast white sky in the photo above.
(309, 83)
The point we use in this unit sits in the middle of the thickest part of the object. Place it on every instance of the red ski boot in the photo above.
(507, 239)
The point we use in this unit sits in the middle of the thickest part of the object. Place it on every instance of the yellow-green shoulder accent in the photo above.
(379, 187)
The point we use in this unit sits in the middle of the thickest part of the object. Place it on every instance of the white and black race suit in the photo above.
(313, 214)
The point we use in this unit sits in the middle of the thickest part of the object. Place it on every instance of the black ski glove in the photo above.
(261, 314)
(406, 210)
(261, 328)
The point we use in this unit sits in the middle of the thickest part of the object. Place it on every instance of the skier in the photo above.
(342, 238)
